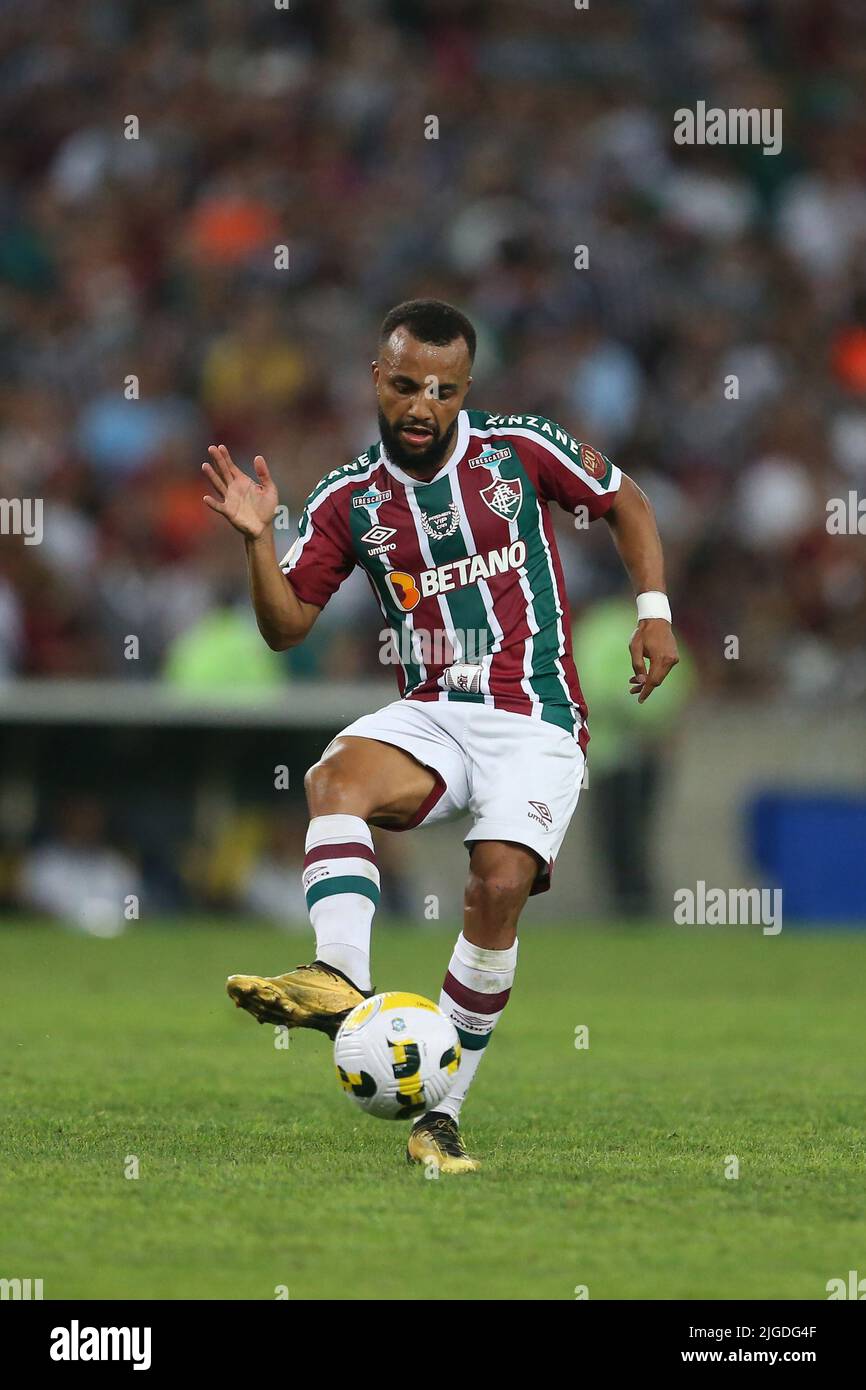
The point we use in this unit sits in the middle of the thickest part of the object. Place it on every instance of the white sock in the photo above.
(341, 883)
(475, 992)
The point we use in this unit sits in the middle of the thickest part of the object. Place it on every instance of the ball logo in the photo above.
(593, 461)
(403, 589)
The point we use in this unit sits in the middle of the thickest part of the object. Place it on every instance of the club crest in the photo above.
(504, 497)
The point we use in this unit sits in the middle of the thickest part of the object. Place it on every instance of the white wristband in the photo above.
(653, 604)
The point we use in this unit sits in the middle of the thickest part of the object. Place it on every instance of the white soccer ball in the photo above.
(397, 1055)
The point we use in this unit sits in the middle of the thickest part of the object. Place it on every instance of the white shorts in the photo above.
(519, 778)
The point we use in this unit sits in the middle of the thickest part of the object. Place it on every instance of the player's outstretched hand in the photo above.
(652, 640)
(248, 504)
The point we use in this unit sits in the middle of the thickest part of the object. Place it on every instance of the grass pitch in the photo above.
(603, 1167)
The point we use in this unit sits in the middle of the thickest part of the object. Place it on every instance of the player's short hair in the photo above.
(430, 321)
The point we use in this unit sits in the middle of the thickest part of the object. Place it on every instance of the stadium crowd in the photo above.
(157, 156)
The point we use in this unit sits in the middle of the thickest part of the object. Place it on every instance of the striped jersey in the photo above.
(465, 567)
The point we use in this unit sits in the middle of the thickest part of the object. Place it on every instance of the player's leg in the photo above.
(357, 782)
(477, 985)
(481, 970)
(526, 777)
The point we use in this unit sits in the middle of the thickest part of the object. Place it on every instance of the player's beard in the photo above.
(423, 461)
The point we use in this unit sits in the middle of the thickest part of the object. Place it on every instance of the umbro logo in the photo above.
(377, 534)
(542, 813)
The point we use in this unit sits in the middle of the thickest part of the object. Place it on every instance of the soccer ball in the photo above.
(397, 1055)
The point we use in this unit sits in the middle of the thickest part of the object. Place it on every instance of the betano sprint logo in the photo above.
(408, 591)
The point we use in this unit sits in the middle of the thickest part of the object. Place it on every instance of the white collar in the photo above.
(458, 453)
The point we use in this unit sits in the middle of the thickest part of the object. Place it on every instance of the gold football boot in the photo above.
(436, 1139)
(311, 996)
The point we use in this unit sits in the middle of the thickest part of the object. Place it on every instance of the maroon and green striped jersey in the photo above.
(465, 568)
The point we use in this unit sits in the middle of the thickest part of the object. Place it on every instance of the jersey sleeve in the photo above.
(321, 556)
(570, 473)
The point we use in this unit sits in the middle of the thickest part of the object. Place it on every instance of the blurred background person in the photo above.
(630, 755)
(76, 876)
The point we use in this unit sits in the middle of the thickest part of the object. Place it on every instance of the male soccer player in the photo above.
(448, 514)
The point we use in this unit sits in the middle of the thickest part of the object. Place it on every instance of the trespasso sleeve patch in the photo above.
(320, 558)
(566, 471)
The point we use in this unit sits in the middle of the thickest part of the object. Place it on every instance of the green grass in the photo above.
(602, 1167)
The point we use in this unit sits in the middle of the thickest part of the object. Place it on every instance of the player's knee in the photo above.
(497, 892)
(330, 790)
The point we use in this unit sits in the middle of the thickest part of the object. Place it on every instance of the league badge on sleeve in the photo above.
(594, 462)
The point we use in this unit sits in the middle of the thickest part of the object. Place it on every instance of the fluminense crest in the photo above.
(504, 497)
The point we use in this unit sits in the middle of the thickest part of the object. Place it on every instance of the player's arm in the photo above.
(283, 618)
(633, 525)
(585, 482)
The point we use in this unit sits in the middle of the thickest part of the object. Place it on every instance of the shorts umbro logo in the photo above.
(542, 813)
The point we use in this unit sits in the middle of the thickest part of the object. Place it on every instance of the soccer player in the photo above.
(448, 514)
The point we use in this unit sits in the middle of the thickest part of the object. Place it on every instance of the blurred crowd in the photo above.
(99, 868)
(156, 156)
